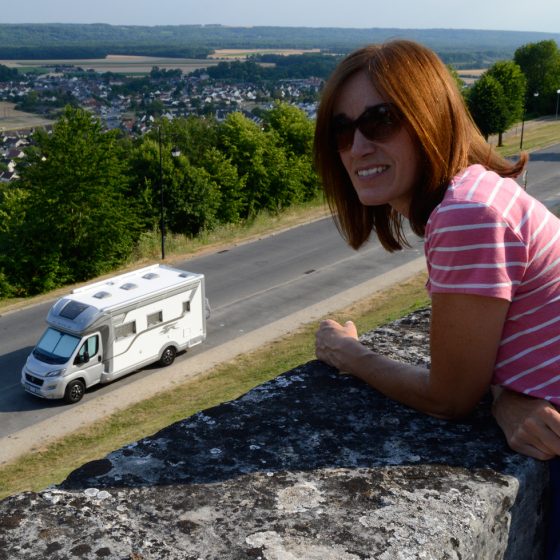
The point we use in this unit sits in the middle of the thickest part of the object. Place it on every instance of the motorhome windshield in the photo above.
(55, 347)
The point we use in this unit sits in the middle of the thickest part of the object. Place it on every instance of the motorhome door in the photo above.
(89, 359)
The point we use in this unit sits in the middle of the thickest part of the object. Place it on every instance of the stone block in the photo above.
(311, 465)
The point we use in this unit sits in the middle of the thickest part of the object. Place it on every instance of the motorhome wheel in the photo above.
(168, 356)
(74, 391)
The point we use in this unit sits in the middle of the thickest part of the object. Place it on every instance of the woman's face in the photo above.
(381, 171)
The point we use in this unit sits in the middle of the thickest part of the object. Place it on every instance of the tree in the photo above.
(224, 174)
(488, 105)
(294, 128)
(514, 85)
(193, 199)
(78, 223)
(458, 80)
(244, 143)
(540, 62)
(13, 201)
(8, 74)
(191, 196)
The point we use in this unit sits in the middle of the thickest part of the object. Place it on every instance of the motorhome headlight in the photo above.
(56, 372)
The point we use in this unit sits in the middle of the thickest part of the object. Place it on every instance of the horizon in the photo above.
(541, 16)
(490, 30)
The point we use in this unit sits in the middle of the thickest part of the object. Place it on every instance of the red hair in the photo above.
(413, 78)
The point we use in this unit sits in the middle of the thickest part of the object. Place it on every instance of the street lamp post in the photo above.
(175, 152)
(161, 220)
(536, 94)
(557, 99)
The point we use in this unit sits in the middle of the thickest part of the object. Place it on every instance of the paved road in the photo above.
(249, 286)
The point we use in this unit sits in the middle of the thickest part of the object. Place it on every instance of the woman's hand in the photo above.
(334, 342)
(458, 376)
(531, 426)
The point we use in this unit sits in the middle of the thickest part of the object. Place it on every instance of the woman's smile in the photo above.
(371, 171)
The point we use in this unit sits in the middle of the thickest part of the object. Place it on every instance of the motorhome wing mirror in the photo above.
(82, 358)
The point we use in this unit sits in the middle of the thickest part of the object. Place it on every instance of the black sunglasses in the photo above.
(378, 124)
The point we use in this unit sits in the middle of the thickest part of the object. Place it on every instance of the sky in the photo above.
(512, 15)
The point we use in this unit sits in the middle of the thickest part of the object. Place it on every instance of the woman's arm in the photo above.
(531, 426)
(465, 334)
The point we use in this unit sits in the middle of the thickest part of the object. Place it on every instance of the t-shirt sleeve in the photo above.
(472, 250)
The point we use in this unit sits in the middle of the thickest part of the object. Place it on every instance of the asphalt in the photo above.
(39, 436)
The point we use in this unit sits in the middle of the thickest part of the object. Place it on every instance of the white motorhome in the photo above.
(107, 329)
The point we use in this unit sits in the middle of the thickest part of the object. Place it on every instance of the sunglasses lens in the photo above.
(344, 136)
(377, 124)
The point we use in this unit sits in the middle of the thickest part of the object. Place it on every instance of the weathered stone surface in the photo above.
(312, 465)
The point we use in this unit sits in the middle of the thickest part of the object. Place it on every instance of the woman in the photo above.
(394, 140)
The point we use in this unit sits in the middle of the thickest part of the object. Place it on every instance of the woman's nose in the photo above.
(361, 144)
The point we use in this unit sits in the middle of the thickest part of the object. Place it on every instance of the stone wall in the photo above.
(312, 465)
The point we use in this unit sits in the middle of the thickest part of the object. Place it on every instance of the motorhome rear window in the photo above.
(128, 286)
(150, 276)
(72, 309)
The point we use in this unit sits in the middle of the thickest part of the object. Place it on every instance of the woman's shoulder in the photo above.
(474, 194)
(477, 183)
(481, 196)
(481, 187)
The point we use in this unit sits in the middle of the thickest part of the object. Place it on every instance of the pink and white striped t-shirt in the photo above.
(489, 237)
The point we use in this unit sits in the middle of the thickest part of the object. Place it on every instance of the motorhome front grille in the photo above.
(34, 380)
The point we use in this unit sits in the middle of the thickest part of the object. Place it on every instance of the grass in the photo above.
(181, 246)
(536, 134)
(228, 381)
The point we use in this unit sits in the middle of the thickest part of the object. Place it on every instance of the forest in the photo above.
(57, 41)
(86, 196)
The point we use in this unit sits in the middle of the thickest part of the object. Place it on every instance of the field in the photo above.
(119, 64)
(242, 54)
(11, 119)
(469, 76)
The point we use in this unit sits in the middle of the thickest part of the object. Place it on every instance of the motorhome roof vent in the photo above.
(128, 286)
(102, 295)
(184, 274)
(150, 276)
(72, 309)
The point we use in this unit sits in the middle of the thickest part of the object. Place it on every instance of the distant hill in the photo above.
(45, 41)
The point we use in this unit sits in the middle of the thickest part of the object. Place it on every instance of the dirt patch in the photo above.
(470, 75)
(119, 64)
(12, 119)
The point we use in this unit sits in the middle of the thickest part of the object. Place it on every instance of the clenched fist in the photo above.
(335, 344)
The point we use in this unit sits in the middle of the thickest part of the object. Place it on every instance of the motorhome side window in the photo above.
(186, 307)
(126, 329)
(155, 318)
(88, 350)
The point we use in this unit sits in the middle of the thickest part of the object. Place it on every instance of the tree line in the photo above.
(86, 196)
(52, 41)
(283, 67)
(511, 90)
